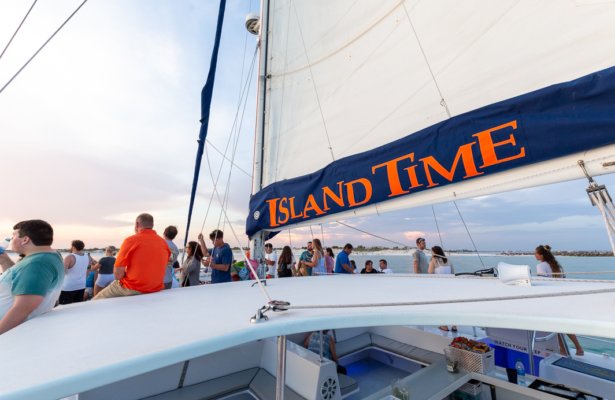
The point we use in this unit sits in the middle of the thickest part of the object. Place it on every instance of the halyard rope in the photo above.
(455, 301)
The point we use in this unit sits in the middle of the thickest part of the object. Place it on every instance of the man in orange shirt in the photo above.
(141, 262)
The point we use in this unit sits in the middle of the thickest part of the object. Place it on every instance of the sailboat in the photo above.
(402, 103)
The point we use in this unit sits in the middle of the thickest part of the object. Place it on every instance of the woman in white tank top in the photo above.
(439, 264)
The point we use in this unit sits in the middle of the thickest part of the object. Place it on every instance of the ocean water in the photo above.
(472, 262)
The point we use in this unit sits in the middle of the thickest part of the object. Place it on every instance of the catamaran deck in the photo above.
(158, 330)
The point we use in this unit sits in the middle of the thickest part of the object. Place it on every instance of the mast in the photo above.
(257, 175)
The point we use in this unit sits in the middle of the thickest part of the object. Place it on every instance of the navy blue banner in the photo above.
(552, 122)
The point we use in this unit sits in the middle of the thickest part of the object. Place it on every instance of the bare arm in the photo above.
(219, 267)
(315, 260)
(69, 261)
(432, 266)
(348, 268)
(23, 305)
(5, 262)
(202, 244)
(119, 272)
(415, 266)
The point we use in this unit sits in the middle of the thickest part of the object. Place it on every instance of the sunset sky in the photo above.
(103, 124)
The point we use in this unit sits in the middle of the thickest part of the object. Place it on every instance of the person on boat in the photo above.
(305, 256)
(384, 267)
(317, 263)
(369, 268)
(104, 267)
(440, 264)
(221, 257)
(140, 264)
(76, 270)
(329, 260)
(342, 262)
(31, 286)
(271, 259)
(353, 264)
(89, 283)
(312, 342)
(286, 263)
(190, 270)
(420, 263)
(170, 232)
(548, 267)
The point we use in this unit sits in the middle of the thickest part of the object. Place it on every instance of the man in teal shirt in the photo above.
(31, 286)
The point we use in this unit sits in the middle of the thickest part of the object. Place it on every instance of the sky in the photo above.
(103, 125)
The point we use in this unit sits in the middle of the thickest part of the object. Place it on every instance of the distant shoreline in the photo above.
(408, 251)
(573, 253)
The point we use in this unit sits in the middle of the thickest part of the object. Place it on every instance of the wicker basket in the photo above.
(471, 361)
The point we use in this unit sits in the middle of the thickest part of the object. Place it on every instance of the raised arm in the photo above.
(202, 244)
(5, 262)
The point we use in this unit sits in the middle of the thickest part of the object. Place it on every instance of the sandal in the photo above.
(443, 328)
(454, 328)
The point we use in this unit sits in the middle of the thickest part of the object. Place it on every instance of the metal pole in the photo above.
(257, 173)
(321, 347)
(531, 337)
(261, 120)
(281, 371)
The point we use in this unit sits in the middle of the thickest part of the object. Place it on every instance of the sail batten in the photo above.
(376, 84)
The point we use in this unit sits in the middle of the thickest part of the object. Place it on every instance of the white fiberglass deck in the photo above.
(53, 355)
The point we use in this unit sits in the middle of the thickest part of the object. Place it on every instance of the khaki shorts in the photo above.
(115, 289)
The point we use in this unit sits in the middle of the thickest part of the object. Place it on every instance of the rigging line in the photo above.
(468, 231)
(433, 210)
(43, 46)
(322, 116)
(311, 233)
(245, 50)
(241, 247)
(290, 239)
(237, 136)
(433, 77)
(249, 175)
(322, 235)
(372, 234)
(456, 301)
(225, 151)
(18, 28)
(239, 99)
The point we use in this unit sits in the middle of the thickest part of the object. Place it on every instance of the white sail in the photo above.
(352, 76)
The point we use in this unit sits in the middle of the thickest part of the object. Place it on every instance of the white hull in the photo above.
(141, 334)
